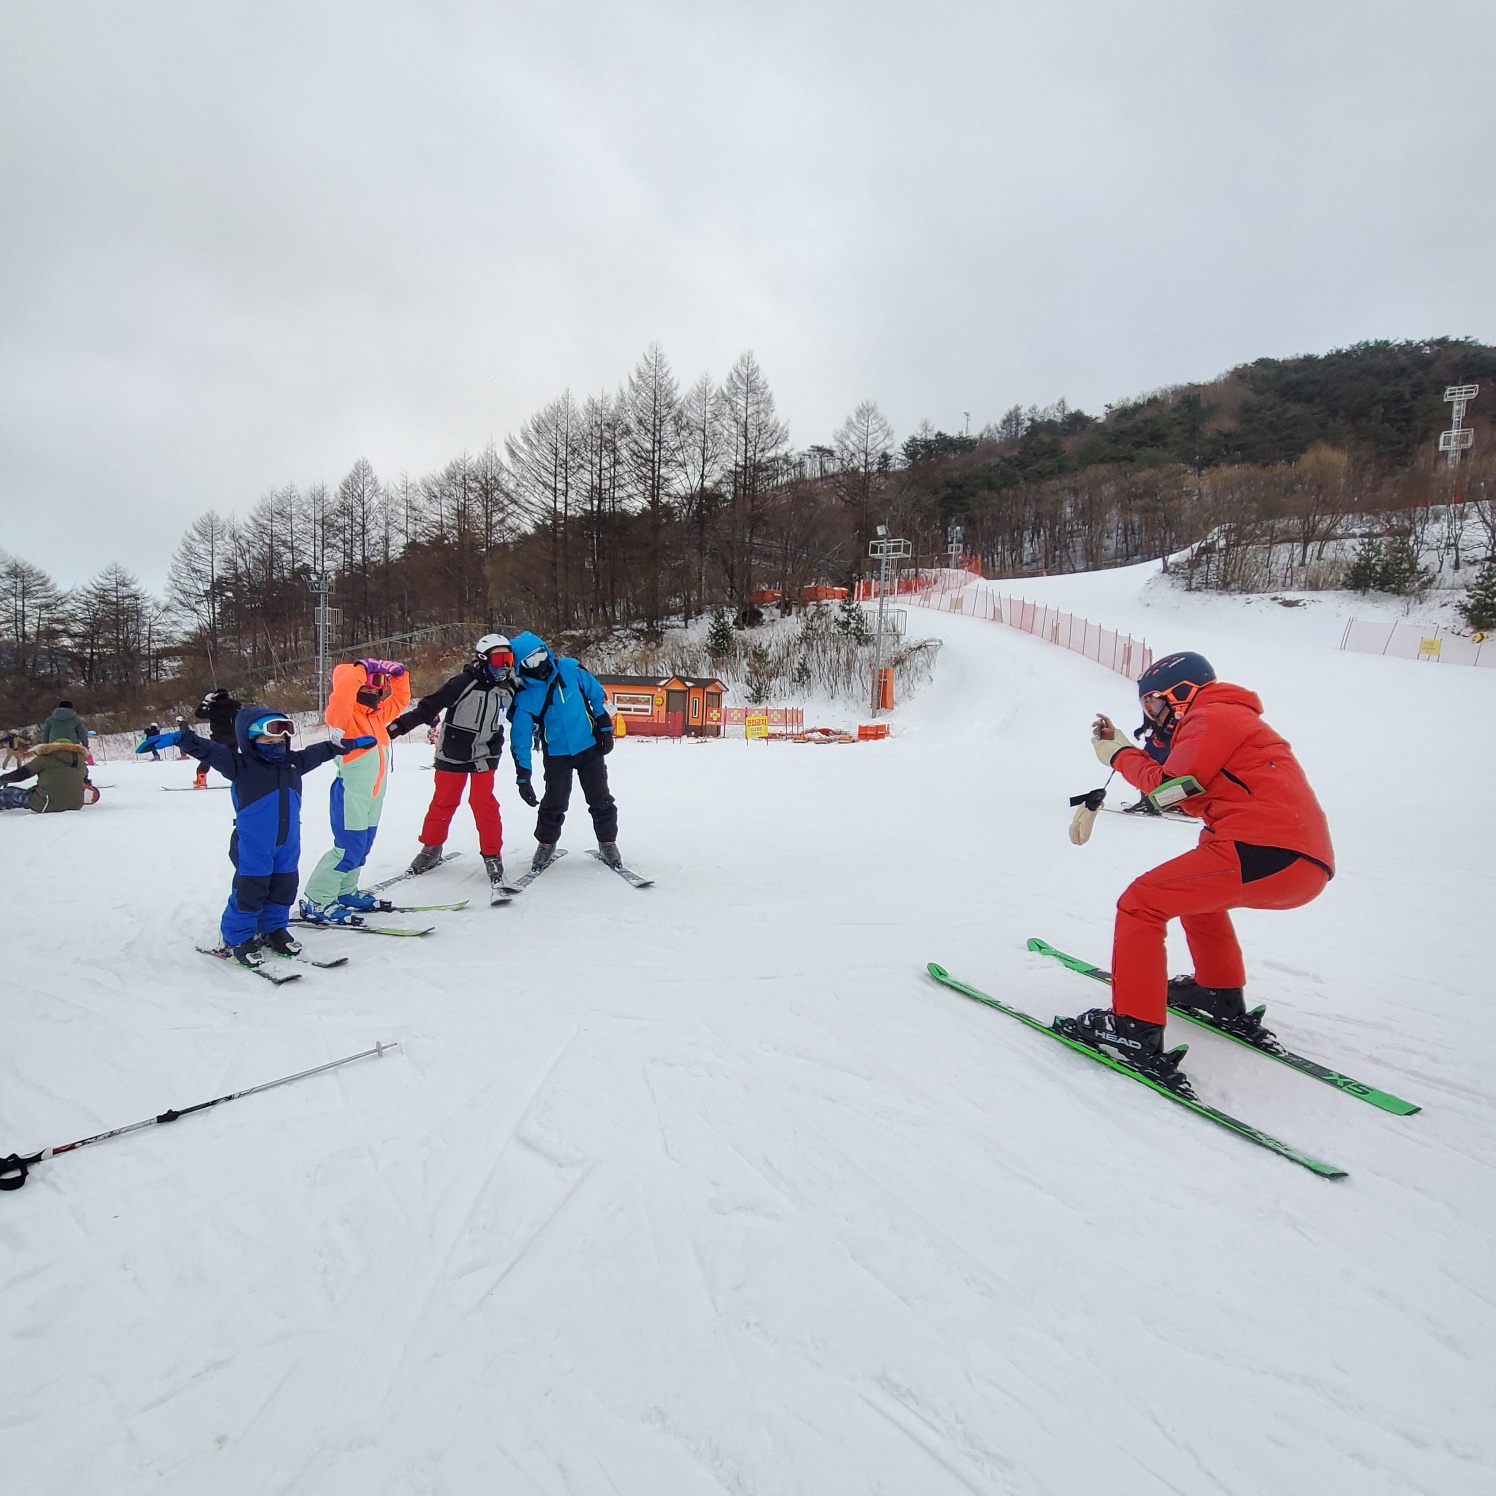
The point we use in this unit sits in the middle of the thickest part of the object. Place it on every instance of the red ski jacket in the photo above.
(1255, 790)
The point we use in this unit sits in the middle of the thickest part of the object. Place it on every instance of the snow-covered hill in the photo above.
(709, 1189)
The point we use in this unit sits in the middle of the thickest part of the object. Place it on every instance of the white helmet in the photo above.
(495, 651)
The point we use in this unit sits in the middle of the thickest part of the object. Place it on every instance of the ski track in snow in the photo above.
(707, 1188)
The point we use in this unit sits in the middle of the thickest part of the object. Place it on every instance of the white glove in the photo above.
(1081, 823)
(1106, 749)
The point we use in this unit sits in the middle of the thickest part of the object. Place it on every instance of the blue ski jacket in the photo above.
(568, 708)
(267, 793)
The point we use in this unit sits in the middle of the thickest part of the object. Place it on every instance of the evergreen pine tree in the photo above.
(1401, 572)
(760, 675)
(1479, 606)
(1365, 572)
(719, 636)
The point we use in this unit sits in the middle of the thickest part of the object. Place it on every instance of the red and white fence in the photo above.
(946, 591)
(1418, 641)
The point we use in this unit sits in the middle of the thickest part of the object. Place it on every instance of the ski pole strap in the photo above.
(1092, 799)
(12, 1172)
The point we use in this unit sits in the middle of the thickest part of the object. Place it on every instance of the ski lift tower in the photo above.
(1459, 436)
(321, 585)
(955, 545)
(883, 550)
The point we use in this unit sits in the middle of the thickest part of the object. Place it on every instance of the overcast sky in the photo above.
(243, 244)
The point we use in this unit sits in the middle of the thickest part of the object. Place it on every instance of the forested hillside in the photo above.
(657, 502)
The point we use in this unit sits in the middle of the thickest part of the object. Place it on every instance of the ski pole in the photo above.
(13, 1169)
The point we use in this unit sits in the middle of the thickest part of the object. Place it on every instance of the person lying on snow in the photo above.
(60, 769)
(366, 696)
(1266, 845)
(265, 773)
(561, 709)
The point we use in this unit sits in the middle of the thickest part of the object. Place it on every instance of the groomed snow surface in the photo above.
(710, 1189)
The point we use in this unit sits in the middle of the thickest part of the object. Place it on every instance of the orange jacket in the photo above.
(1255, 790)
(355, 720)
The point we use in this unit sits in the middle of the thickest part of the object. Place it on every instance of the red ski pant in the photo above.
(1197, 890)
(445, 800)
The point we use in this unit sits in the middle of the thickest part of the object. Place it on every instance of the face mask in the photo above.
(370, 696)
(271, 750)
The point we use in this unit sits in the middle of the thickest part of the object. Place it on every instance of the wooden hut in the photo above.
(669, 706)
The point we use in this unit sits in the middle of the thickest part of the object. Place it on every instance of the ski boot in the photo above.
(1144, 807)
(328, 914)
(426, 859)
(545, 855)
(1137, 1044)
(610, 854)
(281, 942)
(362, 903)
(494, 863)
(1224, 1008)
(247, 952)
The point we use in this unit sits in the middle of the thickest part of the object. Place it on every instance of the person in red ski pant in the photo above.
(1266, 845)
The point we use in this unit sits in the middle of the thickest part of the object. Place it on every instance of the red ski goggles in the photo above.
(501, 659)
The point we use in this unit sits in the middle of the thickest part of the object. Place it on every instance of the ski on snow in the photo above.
(401, 877)
(305, 959)
(280, 978)
(627, 874)
(1192, 1103)
(524, 882)
(307, 924)
(1384, 1100)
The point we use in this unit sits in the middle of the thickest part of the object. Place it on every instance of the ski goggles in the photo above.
(535, 659)
(272, 727)
(500, 659)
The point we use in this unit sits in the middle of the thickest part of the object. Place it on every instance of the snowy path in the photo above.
(706, 1189)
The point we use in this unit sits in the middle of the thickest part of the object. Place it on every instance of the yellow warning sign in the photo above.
(1428, 649)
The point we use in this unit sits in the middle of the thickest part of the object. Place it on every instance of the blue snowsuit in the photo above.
(266, 845)
(569, 713)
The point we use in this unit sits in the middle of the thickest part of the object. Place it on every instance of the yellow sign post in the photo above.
(756, 725)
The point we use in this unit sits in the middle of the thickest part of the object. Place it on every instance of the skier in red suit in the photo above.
(1266, 845)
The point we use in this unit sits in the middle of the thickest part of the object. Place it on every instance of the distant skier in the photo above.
(218, 709)
(476, 701)
(561, 707)
(64, 725)
(366, 695)
(1266, 845)
(265, 772)
(61, 775)
(153, 730)
(17, 746)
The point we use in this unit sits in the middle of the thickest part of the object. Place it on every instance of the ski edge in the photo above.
(629, 876)
(1384, 1101)
(274, 977)
(1265, 1140)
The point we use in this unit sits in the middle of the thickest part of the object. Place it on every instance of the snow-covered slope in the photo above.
(709, 1189)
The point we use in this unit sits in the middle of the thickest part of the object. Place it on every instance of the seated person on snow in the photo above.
(1266, 845)
(60, 769)
(366, 697)
(561, 707)
(265, 773)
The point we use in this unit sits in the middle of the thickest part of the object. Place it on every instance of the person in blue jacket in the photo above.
(265, 774)
(561, 708)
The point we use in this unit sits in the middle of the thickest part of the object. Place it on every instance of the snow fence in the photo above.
(1419, 641)
(950, 591)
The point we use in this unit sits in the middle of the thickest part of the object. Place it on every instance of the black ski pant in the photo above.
(592, 772)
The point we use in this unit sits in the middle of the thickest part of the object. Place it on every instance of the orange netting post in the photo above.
(883, 688)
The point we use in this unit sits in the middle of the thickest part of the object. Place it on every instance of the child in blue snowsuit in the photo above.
(562, 707)
(264, 772)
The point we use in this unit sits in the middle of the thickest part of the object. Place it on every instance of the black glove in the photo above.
(526, 790)
(398, 728)
(604, 737)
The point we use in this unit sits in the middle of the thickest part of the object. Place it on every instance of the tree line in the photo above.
(655, 503)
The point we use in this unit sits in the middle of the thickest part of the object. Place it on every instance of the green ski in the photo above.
(1385, 1100)
(1232, 1124)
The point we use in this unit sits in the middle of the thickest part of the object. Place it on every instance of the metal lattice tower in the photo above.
(1459, 436)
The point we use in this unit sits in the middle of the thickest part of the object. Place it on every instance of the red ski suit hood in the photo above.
(1255, 790)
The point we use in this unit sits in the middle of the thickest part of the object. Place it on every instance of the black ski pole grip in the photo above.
(12, 1172)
